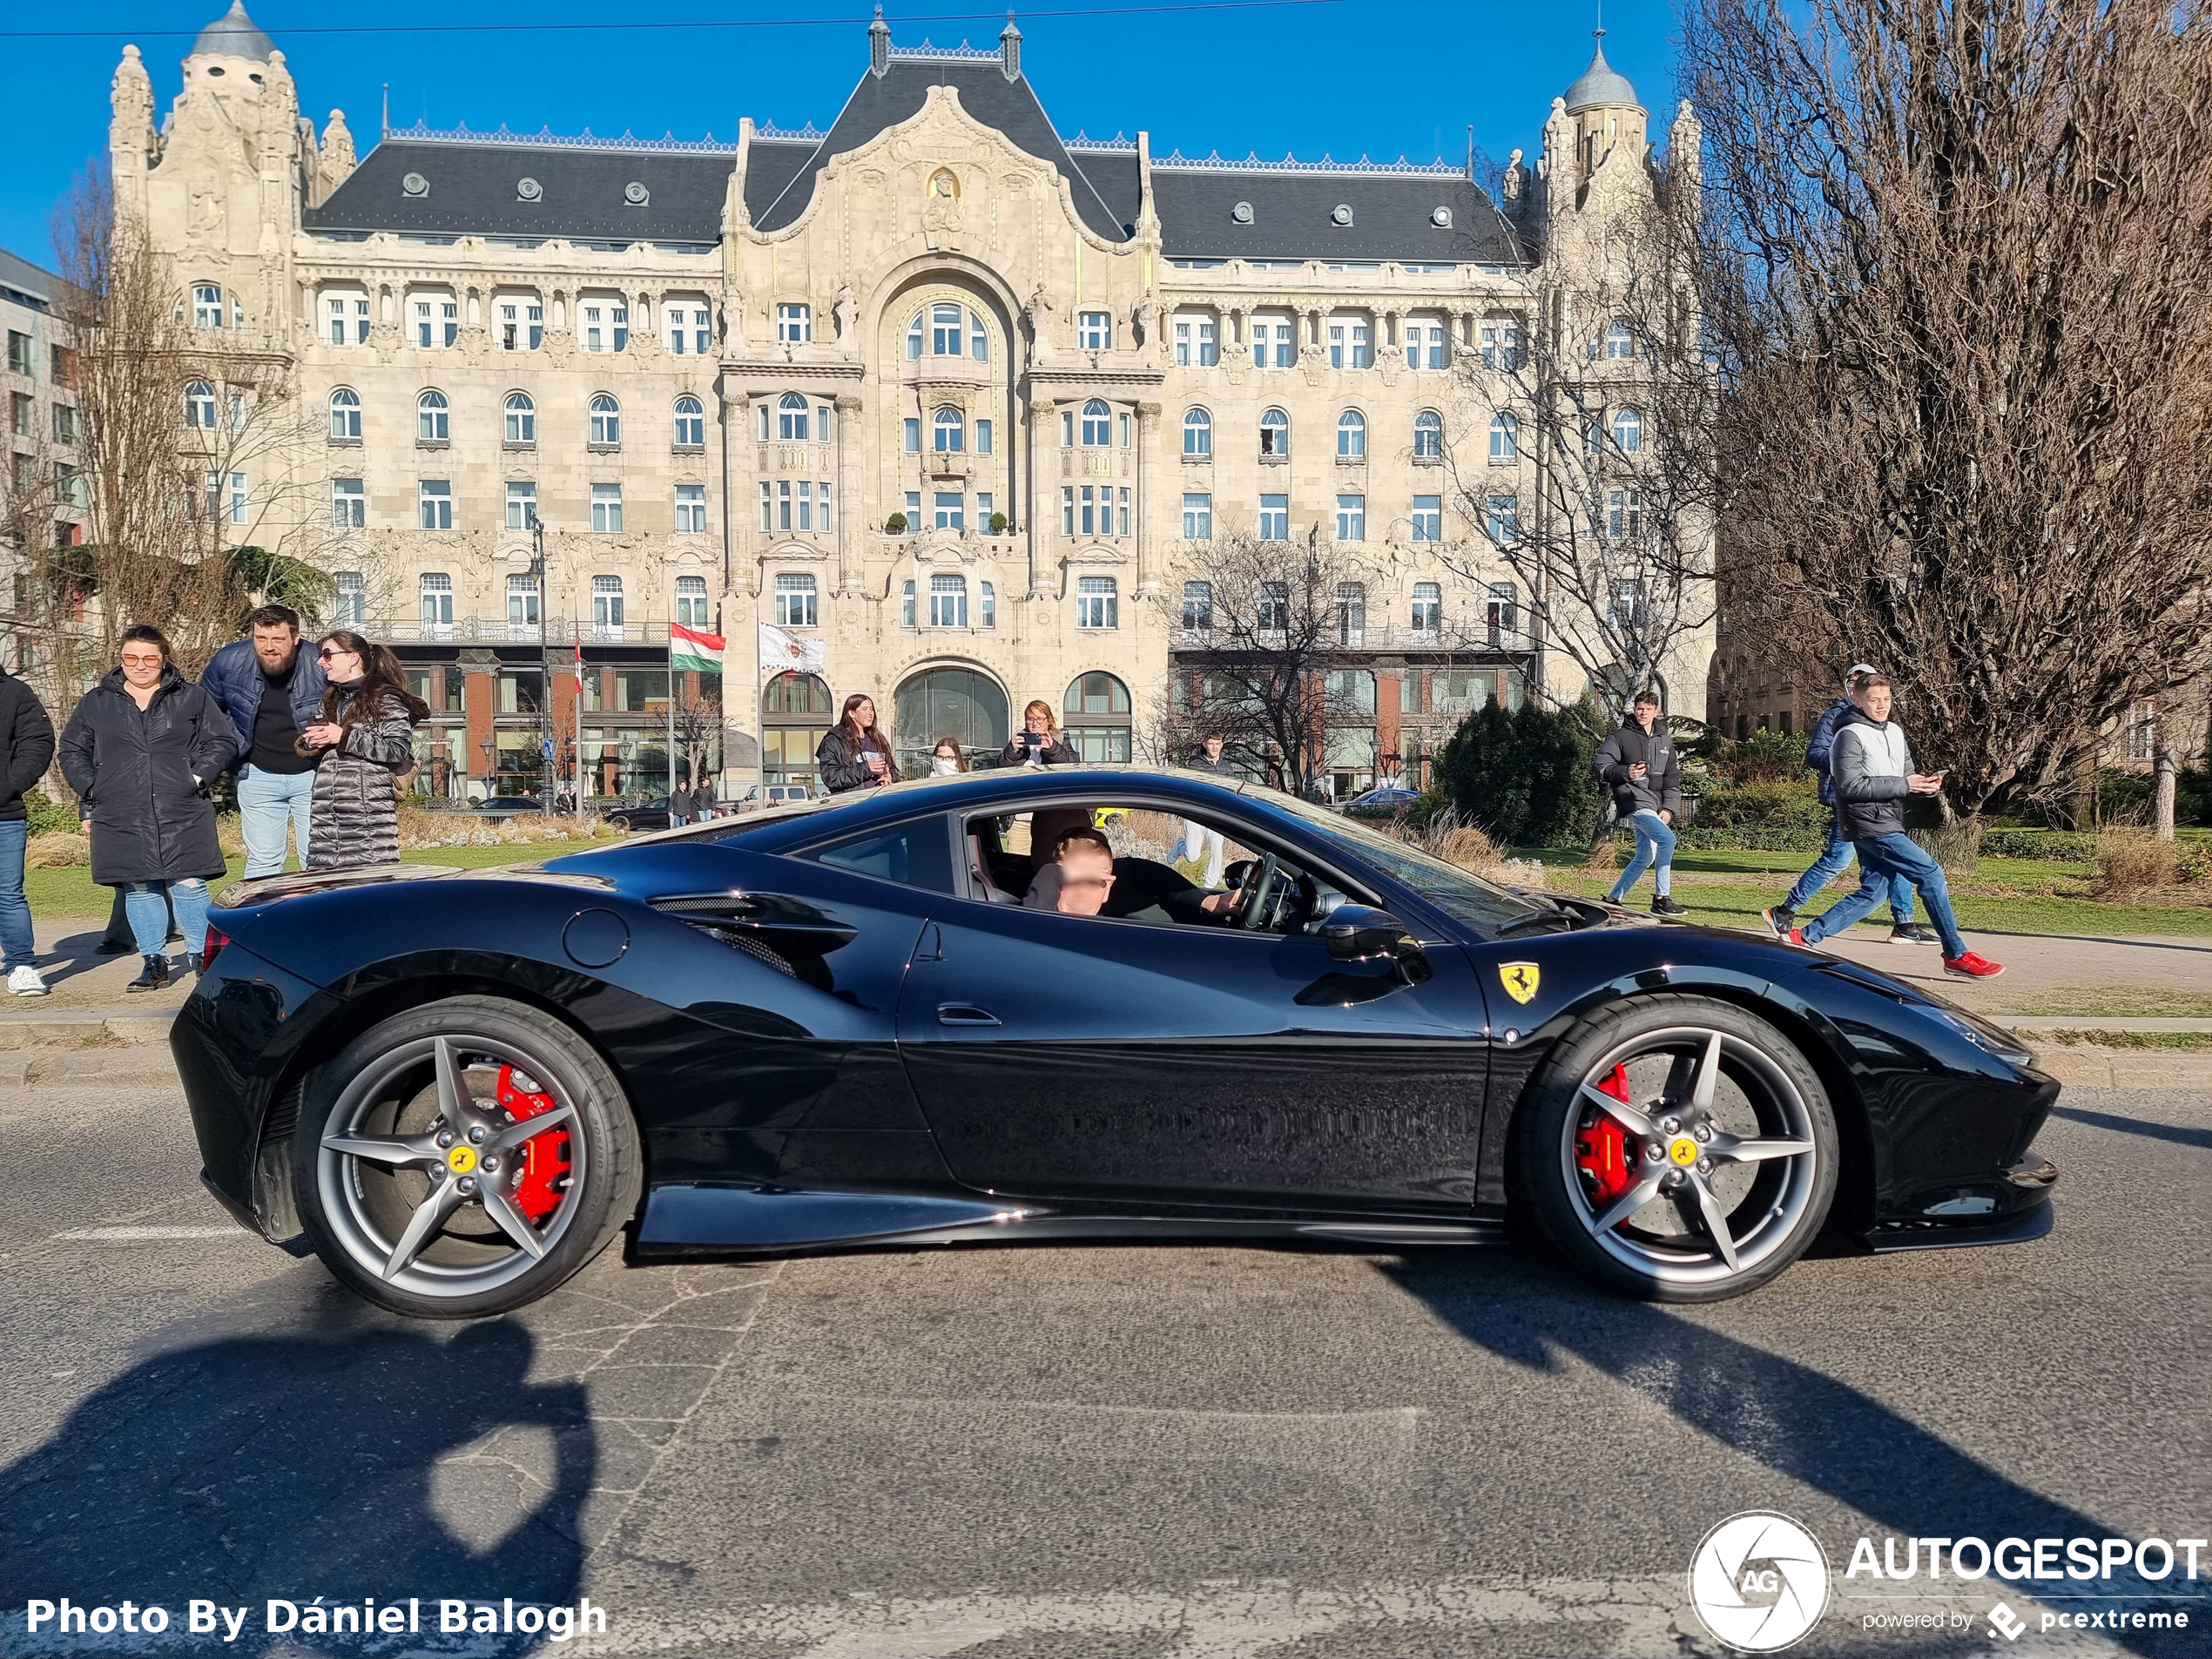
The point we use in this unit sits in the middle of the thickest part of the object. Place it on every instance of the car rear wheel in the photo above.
(464, 1158)
(1682, 1150)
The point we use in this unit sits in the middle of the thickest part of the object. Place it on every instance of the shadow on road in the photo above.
(2180, 1134)
(1807, 1426)
(243, 1468)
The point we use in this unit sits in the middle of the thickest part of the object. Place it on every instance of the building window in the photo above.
(350, 609)
(437, 599)
(23, 408)
(794, 324)
(944, 330)
(1095, 605)
(199, 405)
(437, 320)
(691, 601)
(1619, 342)
(606, 508)
(1429, 518)
(606, 602)
(1125, 425)
(907, 606)
(1351, 435)
(1095, 330)
(948, 507)
(1351, 518)
(1097, 423)
(1067, 428)
(1197, 433)
(1504, 439)
(1066, 509)
(912, 439)
(690, 328)
(1502, 520)
(1428, 435)
(1197, 605)
(522, 418)
(606, 420)
(1501, 615)
(1627, 609)
(984, 437)
(606, 325)
(1198, 517)
(1274, 434)
(1349, 344)
(1275, 518)
(345, 316)
(348, 506)
(1628, 431)
(691, 423)
(915, 337)
(1122, 509)
(795, 599)
(1274, 343)
(522, 324)
(1273, 615)
(207, 306)
(521, 505)
(75, 493)
(1624, 514)
(690, 509)
(346, 415)
(946, 434)
(948, 601)
(1350, 613)
(1196, 342)
(822, 499)
(522, 602)
(1428, 608)
(991, 601)
(1425, 345)
(432, 424)
(2143, 733)
(65, 424)
(1096, 723)
(1501, 345)
(19, 357)
(979, 339)
(791, 418)
(435, 498)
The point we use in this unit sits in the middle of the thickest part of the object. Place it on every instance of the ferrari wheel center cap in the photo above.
(462, 1159)
(1683, 1151)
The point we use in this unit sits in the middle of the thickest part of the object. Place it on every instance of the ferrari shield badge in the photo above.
(1519, 979)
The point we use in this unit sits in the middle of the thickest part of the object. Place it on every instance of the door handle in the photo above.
(964, 1014)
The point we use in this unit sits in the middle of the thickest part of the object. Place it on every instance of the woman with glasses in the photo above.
(364, 742)
(139, 752)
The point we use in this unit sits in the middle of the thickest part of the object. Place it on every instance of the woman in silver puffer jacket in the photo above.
(366, 738)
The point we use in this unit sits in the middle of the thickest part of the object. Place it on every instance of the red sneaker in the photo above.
(1795, 935)
(1972, 966)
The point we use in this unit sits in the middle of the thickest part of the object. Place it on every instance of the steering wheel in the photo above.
(1258, 888)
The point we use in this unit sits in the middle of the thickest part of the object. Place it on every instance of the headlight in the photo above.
(1986, 1037)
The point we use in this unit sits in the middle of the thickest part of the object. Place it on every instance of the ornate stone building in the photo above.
(936, 384)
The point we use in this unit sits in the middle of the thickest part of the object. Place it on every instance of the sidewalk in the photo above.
(2042, 968)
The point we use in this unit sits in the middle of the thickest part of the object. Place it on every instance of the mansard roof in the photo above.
(1296, 208)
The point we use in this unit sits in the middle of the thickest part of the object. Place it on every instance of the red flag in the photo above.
(579, 662)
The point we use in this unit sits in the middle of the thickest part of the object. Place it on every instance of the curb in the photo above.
(2127, 1068)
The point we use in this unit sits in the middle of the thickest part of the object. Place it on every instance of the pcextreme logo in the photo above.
(1759, 1581)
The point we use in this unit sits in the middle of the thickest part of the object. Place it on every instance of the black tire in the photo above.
(382, 1094)
(1766, 1097)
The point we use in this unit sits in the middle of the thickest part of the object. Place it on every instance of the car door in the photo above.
(1074, 1056)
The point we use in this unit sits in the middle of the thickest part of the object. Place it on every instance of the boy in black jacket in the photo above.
(1642, 766)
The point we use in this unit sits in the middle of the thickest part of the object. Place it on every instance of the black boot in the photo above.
(195, 964)
(155, 977)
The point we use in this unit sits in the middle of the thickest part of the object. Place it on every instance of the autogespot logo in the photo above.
(1759, 1581)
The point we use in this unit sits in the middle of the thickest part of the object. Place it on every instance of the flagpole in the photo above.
(672, 720)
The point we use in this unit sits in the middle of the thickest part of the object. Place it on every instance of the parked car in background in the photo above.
(1391, 799)
(650, 815)
(505, 807)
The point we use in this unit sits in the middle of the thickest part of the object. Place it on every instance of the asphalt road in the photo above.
(1094, 1451)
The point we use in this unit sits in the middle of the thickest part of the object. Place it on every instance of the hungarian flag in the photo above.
(694, 649)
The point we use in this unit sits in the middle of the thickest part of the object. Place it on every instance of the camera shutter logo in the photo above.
(1759, 1581)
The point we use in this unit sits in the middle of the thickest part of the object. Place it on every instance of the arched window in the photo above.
(944, 330)
(948, 432)
(1504, 438)
(691, 423)
(207, 306)
(1097, 719)
(915, 337)
(961, 704)
(606, 420)
(431, 425)
(1628, 431)
(791, 418)
(346, 415)
(606, 602)
(797, 694)
(1351, 435)
(1350, 613)
(1619, 342)
(949, 602)
(1274, 435)
(1197, 433)
(795, 599)
(795, 710)
(979, 338)
(1098, 422)
(1428, 607)
(691, 601)
(1428, 435)
(199, 405)
(522, 418)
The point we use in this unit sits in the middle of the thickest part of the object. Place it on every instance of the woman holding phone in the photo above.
(1038, 742)
(854, 753)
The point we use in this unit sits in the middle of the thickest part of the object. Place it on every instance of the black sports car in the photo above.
(839, 1024)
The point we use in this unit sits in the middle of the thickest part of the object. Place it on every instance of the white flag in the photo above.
(783, 651)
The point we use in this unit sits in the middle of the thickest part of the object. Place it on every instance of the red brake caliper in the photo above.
(545, 1157)
(1601, 1145)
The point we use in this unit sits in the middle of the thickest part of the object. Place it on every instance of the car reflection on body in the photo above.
(834, 1024)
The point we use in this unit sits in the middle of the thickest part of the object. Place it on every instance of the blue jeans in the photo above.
(1655, 851)
(149, 914)
(1830, 864)
(14, 909)
(265, 800)
(1883, 861)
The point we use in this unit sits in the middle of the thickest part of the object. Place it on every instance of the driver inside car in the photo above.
(1085, 879)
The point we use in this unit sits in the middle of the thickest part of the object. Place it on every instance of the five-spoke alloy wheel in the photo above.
(1680, 1148)
(463, 1158)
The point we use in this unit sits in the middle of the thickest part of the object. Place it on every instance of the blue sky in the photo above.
(1351, 77)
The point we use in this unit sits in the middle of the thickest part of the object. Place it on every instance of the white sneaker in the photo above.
(24, 982)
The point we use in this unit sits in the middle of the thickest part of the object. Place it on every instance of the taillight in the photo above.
(216, 941)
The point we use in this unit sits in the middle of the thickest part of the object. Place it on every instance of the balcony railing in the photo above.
(1374, 637)
(559, 631)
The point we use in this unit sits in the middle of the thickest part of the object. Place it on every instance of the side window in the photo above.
(914, 855)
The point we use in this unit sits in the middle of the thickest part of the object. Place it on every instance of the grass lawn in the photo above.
(71, 893)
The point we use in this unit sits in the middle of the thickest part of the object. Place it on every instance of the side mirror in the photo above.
(1359, 933)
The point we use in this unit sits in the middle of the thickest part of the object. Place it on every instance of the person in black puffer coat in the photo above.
(854, 753)
(364, 741)
(139, 752)
(1038, 742)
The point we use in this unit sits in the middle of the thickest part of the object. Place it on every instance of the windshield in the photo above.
(1458, 894)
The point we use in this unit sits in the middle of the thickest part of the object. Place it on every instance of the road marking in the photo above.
(137, 1235)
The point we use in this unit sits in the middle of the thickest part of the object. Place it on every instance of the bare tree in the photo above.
(1590, 473)
(1264, 625)
(1962, 328)
(697, 722)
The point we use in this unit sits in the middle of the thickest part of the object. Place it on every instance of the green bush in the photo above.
(1762, 758)
(895, 525)
(47, 816)
(2075, 846)
(1524, 779)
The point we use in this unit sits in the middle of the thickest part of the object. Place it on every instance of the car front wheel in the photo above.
(1682, 1150)
(463, 1158)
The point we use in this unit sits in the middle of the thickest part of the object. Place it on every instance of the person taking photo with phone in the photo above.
(1038, 742)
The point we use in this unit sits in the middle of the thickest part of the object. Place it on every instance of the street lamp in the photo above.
(544, 672)
(490, 746)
